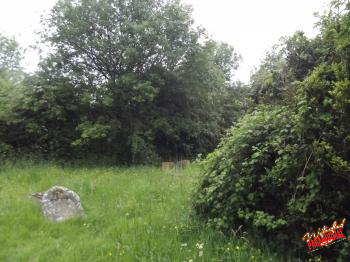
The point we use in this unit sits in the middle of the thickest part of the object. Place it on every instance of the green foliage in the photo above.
(10, 54)
(5, 150)
(288, 62)
(244, 173)
(282, 171)
(128, 80)
(10, 96)
(11, 93)
(102, 40)
(142, 150)
(302, 55)
(271, 81)
(90, 131)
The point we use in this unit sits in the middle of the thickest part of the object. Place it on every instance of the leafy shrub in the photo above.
(283, 171)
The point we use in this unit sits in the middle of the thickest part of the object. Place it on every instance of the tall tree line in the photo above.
(132, 80)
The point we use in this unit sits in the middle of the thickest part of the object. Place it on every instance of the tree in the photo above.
(103, 40)
(131, 80)
(302, 55)
(272, 80)
(288, 62)
(10, 54)
(11, 91)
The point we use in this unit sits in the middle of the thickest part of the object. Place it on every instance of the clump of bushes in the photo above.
(284, 170)
(281, 172)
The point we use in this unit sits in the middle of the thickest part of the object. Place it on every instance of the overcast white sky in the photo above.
(250, 26)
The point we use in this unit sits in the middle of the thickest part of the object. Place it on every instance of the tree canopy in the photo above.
(132, 80)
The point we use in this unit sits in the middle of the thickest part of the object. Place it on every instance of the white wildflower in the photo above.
(199, 245)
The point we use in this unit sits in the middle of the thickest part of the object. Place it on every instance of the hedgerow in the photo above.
(284, 170)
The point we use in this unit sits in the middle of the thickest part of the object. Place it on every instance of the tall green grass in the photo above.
(132, 214)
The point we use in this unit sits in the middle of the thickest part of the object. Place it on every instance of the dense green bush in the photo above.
(283, 171)
(274, 176)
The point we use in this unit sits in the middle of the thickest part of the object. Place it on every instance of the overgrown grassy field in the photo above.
(132, 214)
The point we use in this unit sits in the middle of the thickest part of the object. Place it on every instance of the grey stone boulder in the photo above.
(59, 203)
